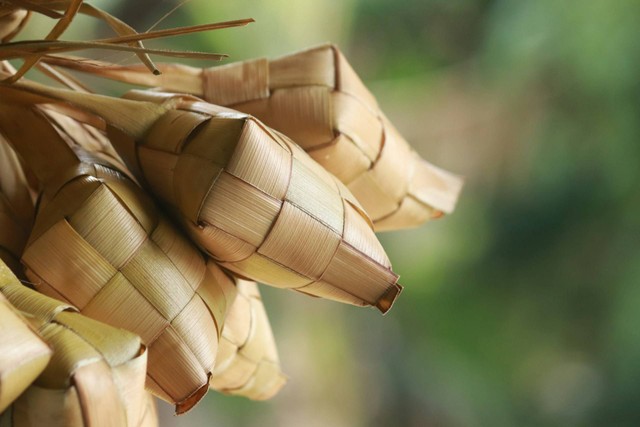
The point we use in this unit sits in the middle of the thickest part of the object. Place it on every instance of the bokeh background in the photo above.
(523, 307)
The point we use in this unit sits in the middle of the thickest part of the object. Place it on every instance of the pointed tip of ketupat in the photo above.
(187, 404)
(387, 300)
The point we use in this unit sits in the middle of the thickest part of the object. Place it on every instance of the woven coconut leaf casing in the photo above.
(258, 204)
(23, 352)
(96, 375)
(316, 98)
(247, 363)
(248, 195)
(100, 243)
(247, 204)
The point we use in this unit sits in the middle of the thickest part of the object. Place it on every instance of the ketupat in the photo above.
(224, 377)
(96, 375)
(23, 352)
(246, 194)
(317, 99)
(99, 242)
(247, 362)
(259, 205)
(16, 207)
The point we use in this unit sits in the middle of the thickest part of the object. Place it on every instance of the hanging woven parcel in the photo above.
(133, 230)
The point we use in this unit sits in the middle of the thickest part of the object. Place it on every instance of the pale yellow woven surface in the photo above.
(317, 99)
(247, 352)
(23, 353)
(259, 205)
(96, 375)
(248, 363)
(244, 192)
(100, 243)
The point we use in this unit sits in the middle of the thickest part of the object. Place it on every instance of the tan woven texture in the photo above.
(85, 136)
(16, 207)
(258, 204)
(100, 243)
(317, 99)
(23, 353)
(96, 375)
(248, 363)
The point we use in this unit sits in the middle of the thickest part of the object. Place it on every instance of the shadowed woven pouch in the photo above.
(247, 362)
(100, 243)
(96, 375)
(16, 208)
(23, 353)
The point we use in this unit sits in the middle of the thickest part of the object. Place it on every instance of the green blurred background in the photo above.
(523, 307)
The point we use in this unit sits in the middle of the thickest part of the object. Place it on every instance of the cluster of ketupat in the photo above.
(157, 213)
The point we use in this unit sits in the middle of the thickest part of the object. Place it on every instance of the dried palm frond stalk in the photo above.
(23, 353)
(100, 243)
(96, 374)
(70, 9)
(317, 99)
(16, 207)
(85, 136)
(12, 19)
(13, 15)
(248, 363)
